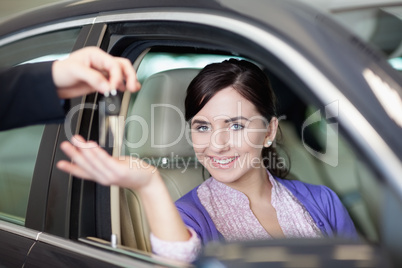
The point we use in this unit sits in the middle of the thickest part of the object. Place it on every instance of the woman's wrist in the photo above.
(153, 184)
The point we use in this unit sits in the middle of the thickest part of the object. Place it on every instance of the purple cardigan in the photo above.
(322, 203)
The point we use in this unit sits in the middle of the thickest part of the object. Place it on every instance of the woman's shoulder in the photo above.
(190, 202)
(189, 198)
(306, 189)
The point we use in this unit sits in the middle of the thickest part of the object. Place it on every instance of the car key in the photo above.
(109, 110)
(112, 102)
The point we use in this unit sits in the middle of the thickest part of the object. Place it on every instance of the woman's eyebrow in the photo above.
(237, 118)
(198, 121)
(232, 119)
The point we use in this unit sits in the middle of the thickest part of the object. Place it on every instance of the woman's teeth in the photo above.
(224, 161)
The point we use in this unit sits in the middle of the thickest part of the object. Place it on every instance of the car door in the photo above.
(22, 149)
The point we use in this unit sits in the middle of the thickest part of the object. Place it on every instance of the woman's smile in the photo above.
(223, 162)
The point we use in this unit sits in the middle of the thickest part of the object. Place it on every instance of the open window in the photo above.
(320, 151)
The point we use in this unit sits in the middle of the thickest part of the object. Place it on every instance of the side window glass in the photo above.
(44, 47)
(18, 153)
(19, 147)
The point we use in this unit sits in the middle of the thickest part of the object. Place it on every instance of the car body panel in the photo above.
(14, 252)
(67, 9)
(19, 240)
(52, 251)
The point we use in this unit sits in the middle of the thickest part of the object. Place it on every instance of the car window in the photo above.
(18, 152)
(43, 47)
(19, 147)
(318, 151)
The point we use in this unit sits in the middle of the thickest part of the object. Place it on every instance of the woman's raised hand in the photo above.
(91, 162)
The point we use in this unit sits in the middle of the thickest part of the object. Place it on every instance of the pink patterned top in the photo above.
(230, 211)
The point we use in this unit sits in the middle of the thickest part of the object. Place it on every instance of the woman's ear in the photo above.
(271, 133)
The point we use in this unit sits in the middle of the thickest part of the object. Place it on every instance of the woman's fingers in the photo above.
(70, 167)
(87, 162)
(73, 169)
(97, 161)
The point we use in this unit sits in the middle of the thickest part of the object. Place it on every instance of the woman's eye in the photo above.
(236, 127)
(202, 128)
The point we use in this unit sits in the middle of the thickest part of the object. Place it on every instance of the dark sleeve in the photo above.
(28, 96)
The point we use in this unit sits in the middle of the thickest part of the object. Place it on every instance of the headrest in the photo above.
(155, 124)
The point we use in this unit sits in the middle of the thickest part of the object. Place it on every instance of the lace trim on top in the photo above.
(230, 211)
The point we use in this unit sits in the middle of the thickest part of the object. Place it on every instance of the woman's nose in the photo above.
(220, 140)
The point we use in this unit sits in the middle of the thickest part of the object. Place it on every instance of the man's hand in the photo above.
(91, 69)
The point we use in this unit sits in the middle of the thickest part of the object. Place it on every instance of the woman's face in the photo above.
(228, 135)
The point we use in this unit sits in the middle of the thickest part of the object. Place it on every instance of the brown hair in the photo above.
(250, 82)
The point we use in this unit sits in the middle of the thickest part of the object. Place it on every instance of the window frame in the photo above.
(117, 46)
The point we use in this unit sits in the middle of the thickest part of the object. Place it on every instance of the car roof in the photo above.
(76, 8)
(334, 6)
(80, 8)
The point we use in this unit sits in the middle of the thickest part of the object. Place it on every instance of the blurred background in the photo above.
(10, 7)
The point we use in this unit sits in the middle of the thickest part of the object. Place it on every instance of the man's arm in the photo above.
(32, 93)
(29, 96)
